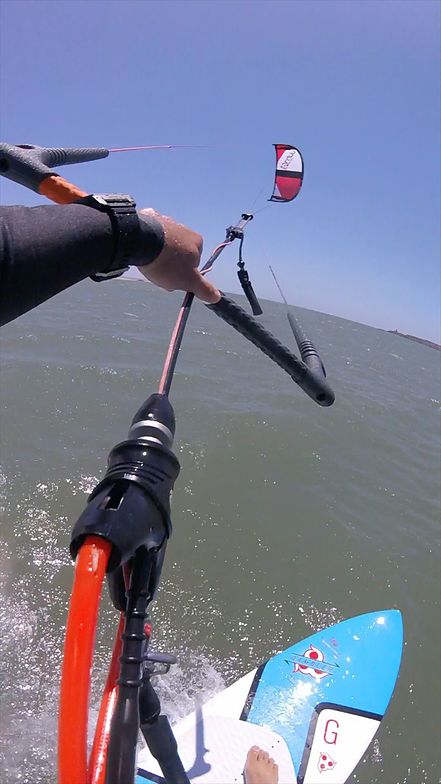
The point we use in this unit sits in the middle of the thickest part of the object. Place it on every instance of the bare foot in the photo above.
(260, 768)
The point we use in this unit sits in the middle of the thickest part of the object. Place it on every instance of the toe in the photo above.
(253, 752)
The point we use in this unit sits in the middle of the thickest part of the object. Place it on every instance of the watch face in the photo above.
(114, 199)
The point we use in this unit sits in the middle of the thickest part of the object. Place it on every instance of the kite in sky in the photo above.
(289, 173)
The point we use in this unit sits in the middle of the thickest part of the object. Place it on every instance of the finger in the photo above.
(203, 289)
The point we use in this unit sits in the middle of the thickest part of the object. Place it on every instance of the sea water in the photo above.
(287, 517)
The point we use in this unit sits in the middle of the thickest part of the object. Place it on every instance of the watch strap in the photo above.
(121, 209)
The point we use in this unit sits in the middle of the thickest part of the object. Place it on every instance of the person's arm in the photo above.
(44, 250)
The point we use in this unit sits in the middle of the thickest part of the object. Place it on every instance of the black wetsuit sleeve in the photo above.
(44, 250)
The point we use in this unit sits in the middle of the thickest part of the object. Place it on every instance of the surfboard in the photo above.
(315, 707)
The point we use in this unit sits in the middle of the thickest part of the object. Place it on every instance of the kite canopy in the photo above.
(289, 173)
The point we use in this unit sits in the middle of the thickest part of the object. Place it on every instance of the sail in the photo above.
(289, 173)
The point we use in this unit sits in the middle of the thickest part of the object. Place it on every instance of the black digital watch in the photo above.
(125, 223)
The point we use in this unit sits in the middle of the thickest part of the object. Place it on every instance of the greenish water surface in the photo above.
(287, 517)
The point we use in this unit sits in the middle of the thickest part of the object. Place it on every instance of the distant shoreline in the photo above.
(423, 341)
(415, 339)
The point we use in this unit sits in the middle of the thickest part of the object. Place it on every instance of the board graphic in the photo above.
(315, 707)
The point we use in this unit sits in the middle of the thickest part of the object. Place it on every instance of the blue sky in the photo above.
(355, 85)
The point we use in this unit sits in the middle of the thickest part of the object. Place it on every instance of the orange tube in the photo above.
(90, 568)
(98, 757)
(59, 190)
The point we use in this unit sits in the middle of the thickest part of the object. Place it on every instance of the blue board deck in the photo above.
(317, 705)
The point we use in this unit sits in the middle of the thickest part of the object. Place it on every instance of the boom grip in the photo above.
(29, 165)
(314, 385)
